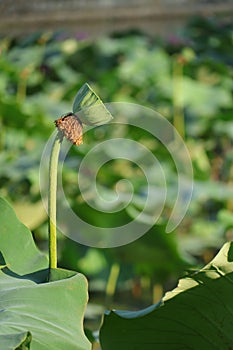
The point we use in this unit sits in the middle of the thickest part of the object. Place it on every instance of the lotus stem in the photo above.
(52, 201)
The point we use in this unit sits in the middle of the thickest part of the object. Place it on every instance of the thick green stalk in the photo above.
(52, 201)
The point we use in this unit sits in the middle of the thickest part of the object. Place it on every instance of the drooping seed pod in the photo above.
(71, 127)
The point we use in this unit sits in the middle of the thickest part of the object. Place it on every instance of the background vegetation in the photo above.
(39, 77)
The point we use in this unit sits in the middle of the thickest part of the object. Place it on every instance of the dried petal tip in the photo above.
(71, 127)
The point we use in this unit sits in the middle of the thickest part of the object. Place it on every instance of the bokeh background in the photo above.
(173, 56)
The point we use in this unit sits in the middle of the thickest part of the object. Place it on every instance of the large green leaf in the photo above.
(52, 312)
(90, 108)
(38, 306)
(198, 314)
(18, 341)
(16, 244)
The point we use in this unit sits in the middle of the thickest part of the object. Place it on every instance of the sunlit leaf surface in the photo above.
(198, 314)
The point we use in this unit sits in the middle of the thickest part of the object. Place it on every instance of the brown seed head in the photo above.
(71, 127)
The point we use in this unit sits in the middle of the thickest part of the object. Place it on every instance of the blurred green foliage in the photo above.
(187, 78)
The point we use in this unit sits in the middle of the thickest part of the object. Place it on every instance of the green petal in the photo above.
(90, 108)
